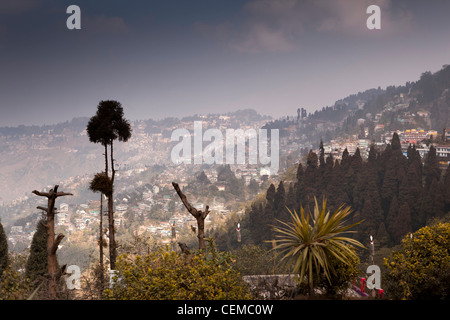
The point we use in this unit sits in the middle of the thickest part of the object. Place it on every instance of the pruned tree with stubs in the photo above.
(54, 273)
(199, 215)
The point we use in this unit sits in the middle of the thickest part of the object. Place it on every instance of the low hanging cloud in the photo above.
(278, 26)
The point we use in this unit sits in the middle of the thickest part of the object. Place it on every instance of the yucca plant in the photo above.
(309, 241)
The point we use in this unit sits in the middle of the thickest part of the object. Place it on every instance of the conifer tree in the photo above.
(446, 189)
(383, 236)
(392, 215)
(395, 143)
(431, 169)
(345, 157)
(268, 214)
(280, 203)
(402, 224)
(321, 154)
(270, 194)
(372, 217)
(389, 187)
(351, 175)
(299, 185)
(36, 267)
(254, 218)
(414, 157)
(372, 155)
(411, 192)
(3, 250)
(291, 202)
(311, 180)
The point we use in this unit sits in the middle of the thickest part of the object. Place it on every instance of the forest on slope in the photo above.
(390, 193)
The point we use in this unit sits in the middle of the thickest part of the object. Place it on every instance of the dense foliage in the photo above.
(167, 275)
(392, 193)
(3, 250)
(421, 268)
(313, 243)
(36, 267)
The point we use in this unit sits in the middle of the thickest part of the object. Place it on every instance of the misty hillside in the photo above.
(36, 156)
(423, 104)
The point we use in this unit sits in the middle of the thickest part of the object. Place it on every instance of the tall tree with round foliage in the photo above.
(106, 126)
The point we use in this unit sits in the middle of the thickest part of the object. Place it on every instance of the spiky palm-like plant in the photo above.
(309, 241)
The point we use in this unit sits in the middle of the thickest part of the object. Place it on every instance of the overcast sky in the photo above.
(177, 58)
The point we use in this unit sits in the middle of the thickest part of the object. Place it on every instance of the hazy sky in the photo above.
(177, 58)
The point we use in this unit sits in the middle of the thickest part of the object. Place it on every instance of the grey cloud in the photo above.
(278, 26)
(102, 24)
(17, 6)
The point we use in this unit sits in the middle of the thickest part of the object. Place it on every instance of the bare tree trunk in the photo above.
(112, 241)
(106, 160)
(52, 243)
(102, 282)
(199, 215)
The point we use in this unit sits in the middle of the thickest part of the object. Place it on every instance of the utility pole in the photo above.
(372, 250)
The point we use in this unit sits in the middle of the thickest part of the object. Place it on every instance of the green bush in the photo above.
(421, 268)
(167, 275)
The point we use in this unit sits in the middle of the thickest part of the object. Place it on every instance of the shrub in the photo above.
(167, 275)
(420, 269)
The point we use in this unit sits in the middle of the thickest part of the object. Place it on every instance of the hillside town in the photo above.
(146, 195)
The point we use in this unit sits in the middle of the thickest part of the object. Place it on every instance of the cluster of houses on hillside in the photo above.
(422, 139)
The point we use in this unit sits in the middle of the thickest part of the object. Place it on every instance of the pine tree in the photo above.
(351, 175)
(372, 217)
(268, 214)
(321, 154)
(431, 169)
(438, 199)
(392, 215)
(311, 180)
(36, 267)
(389, 187)
(299, 187)
(383, 236)
(433, 204)
(345, 157)
(3, 250)
(356, 160)
(259, 223)
(291, 202)
(414, 157)
(446, 189)
(411, 192)
(372, 155)
(395, 143)
(402, 224)
(270, 194)
(311, 160)
(280, 211)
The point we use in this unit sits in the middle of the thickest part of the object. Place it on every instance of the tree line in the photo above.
(392, 193)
